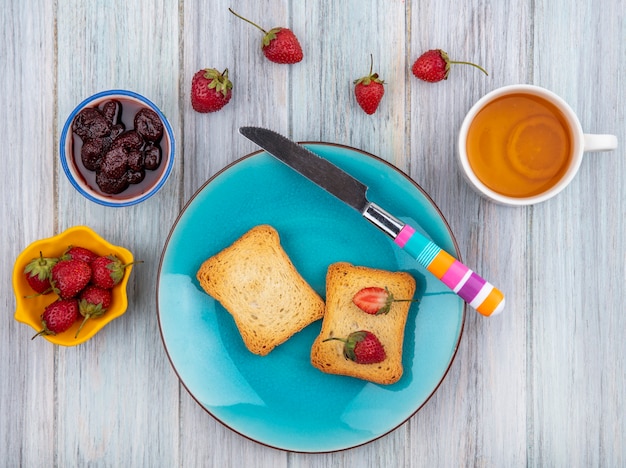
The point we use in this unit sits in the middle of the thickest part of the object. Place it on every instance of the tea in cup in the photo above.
(523, 144)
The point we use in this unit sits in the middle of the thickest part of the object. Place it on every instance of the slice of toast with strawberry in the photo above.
(345, 345)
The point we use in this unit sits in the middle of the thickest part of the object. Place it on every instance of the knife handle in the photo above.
(477, 292)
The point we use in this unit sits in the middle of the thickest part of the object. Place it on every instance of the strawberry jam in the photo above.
(118, 147)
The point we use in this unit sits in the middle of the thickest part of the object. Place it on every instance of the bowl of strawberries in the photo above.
(69, 286)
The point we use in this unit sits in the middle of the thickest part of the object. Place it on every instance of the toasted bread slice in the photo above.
(342, 317)
(259, 286)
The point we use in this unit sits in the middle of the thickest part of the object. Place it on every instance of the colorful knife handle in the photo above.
(478, 293)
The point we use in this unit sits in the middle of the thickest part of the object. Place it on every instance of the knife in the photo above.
(478, 293)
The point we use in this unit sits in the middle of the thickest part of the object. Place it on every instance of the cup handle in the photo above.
(593, 142)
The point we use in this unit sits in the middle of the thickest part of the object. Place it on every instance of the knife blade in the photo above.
(473, 289)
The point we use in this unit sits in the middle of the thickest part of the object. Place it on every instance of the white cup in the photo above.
(580, 143)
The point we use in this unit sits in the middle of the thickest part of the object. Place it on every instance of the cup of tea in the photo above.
(523, 144)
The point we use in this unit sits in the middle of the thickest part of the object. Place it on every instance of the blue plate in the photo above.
(281, 400)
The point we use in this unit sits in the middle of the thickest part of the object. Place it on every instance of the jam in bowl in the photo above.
(117, 148)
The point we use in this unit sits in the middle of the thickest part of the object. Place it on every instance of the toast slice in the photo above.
(342, 317)
(259, 286)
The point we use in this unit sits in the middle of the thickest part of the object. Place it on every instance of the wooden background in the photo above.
(541, 385)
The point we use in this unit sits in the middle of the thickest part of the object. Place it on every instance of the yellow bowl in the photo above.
(29, 309)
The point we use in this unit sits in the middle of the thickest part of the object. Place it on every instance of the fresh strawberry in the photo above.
(58, 317)
(279, 45)
(362, 347)
(369, 91)
(434, 65)
(79, 253)
(107, 271)
(93, 302)
(69, 277)
(375, 300)
(37, 273)
(210, 90)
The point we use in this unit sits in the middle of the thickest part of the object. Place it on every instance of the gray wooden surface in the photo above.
(541, 385)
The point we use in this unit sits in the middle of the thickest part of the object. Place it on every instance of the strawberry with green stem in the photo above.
(369, 90)
(434, 65)
(59, 317)
(375, 300)
(93, 302)
(108, 271)
(362, 347)
(37, 273)
(69, 277)
(210, 90)
(279, 45)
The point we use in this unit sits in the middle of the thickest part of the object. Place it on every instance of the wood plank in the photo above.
(339, 39)
(211, 142)
(27, 185)
(576, 333)
(110, 389)
(480, 407)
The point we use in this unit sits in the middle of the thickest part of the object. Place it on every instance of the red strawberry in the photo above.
(362, 347)
(37, 273)
(375, 300)
(79, 253)
(107, 271)
(434, 65)
(58, 317)
(369, 91)
(210, 90)
(93, 302)
(69, 277)
(280, 45)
